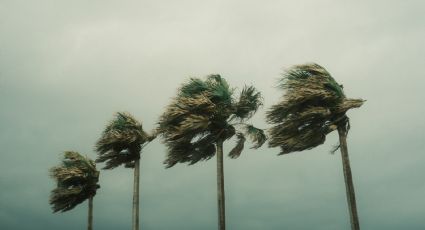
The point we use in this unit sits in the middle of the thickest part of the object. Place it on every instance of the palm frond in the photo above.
(76, 179)
(313, 106)
(65, 199)
(182, 152)
(219, 90)
(237, 150)
(347, 104)
(257, 136)
(249, 102)
(68, 175)
(195, 86)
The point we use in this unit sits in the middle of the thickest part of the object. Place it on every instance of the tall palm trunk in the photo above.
(351, 198)
(135, 218)
(220, 187)
(90, 214)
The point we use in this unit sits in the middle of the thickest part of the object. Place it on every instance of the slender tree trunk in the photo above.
(351, 198)
(220, 187)
(90, 216)
(136, 195)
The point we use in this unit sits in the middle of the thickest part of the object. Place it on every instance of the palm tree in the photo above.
(121, 144)
(76, 179)
(313, 106)
(201, 117)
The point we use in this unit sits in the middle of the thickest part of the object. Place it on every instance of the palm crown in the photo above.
(76, 179)
(203, 112)
(313, 106)
(121, 141)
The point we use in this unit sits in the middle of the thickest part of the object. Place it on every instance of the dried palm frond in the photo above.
(121, 141)
(200, 115)
(313, 106)
(76, 179)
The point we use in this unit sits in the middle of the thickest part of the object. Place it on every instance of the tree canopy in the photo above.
(205, 111)
(77, 180)
(121, 141)
(313, 105)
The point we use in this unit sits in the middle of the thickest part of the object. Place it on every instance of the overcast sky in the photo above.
(67, 66)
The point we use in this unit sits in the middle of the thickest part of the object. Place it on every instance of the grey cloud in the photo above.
(65, 67)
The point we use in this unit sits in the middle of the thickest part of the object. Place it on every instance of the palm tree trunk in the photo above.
(90, 216)
(135, 218)
(351, 198)
(220, 187)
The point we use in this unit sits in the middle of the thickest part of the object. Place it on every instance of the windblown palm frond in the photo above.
(201, 114)
(249, 102)
(257, 136)
(313, 106)
(121, 141)
(240, 144)
(76, 179)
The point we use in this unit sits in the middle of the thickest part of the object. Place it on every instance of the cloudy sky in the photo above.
(67, 66)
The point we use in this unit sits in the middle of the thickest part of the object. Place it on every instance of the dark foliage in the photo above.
(201, 114)
(76, 179)
(121, 142)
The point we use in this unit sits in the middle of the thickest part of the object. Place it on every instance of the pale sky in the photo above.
(67, 66)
